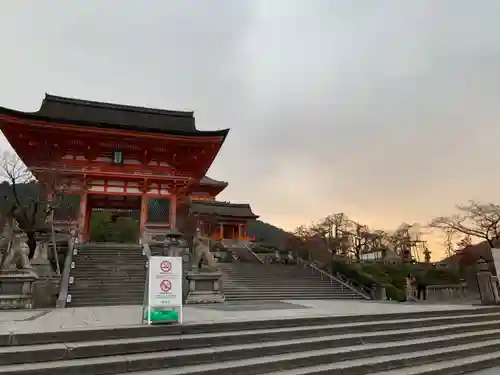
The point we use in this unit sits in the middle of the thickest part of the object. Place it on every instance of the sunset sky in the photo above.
(387, 110)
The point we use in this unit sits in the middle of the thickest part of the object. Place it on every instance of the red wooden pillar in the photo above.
(173, 211)
(82, 217)
(144, 215)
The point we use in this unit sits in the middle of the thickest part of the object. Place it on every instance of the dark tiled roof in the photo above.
(201, 194)
(222, 209)
(91, 113)
(210, 181)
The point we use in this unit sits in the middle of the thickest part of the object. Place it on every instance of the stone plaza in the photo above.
(243, 313)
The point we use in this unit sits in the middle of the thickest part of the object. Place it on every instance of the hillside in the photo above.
(471, 254)
(267, 233)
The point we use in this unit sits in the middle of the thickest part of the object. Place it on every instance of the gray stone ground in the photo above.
(93, 317)
(490, 371)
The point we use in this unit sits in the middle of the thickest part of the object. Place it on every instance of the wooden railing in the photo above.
(344, 283)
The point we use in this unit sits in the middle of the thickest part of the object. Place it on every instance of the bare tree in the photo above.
(361, 238)
(333, 230)
(14, 172)
(464, 242)
(480, 220)
(401, 242)
(30, 212)
(449, 244)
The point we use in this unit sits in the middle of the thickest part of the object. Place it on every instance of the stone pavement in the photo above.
(490, 371)
(113, 316)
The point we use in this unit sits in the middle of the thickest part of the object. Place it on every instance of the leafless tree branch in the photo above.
(475, 219)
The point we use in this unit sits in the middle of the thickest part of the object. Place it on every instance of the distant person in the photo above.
(421, 287)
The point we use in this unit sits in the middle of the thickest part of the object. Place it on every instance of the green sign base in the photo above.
(162, 316)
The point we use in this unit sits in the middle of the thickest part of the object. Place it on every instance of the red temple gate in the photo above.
(116, 157)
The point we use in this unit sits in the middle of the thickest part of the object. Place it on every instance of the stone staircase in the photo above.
(107, 274)
(423, 343)
(254, 281)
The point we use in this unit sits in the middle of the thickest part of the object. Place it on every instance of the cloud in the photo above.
(385, 110)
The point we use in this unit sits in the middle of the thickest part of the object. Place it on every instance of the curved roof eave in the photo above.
(33, 116)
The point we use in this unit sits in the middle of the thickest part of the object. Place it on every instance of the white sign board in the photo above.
(164, 284)
(495, 253)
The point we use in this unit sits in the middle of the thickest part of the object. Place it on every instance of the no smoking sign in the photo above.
(165, 286)
(166, 266)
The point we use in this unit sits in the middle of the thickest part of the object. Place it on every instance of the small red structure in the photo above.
(117, 156)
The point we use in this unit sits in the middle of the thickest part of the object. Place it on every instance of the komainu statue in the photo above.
(17, 256)
(201, 250)
(6, 235)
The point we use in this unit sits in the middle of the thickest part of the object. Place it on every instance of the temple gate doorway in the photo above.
(114, 218)
(118, 226)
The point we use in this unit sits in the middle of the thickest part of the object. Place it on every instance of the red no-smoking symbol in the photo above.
(166, 266)
(165, 286)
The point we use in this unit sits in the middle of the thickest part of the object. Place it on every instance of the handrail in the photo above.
(324, 274)
(64, 286)
(241, 245)
(54, 243)
(254, 254)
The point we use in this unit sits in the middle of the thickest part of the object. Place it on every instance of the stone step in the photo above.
(107, 301)
(483, 364)
(99, 260)
(116, 268)
(103, 271)
(117, 297)
(341, 324)
(257, 297)
(104, 293)
(273, 277)
(291, 281)
(103, 260)
(108, 245)
(296, 281)
(263, 288)
(288, 295)
(398, 362)
(107, 266)
(284, 286)
(137, 253)
(342, 297)
(110, 280)
(282, 291)
(314, 337)
(112, 276)
(261, 273)
(96, 288)
(290, 356)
